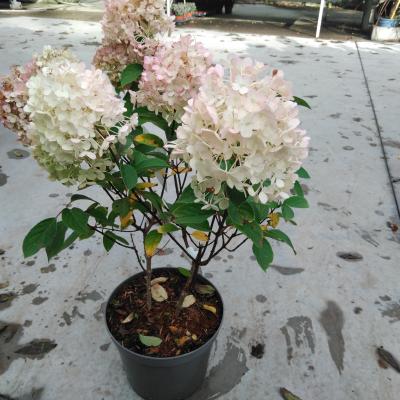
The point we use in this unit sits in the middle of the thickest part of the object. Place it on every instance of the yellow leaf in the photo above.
(273, 219)
(199, 235)
(126, 220)
(132, 199)
(180, 170)
(158, 293)
(210, 308)
(264, 227)
(145, 185)
(151, 241)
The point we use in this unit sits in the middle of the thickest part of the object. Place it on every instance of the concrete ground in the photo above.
(317, 317)
(246, 18)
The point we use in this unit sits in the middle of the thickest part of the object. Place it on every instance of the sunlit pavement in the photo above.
(318, 316)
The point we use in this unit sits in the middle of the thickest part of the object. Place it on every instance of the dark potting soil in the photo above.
(180, 333)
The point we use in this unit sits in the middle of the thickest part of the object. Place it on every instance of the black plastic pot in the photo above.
(167, 378)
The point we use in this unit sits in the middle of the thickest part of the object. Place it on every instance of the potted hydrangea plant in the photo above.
(180, 150)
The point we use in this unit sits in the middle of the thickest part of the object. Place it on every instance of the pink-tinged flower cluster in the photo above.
(173, 76)
(130, 29)
(14, 91)
(13, 98)
(243, 131)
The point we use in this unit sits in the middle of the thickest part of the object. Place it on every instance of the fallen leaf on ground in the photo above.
(128, 319)
(182, 341)
(288, 395)
(388, 358)
(204, 289)
(158, 293)
(150, 341)
(174, 329)
(160, 279)
(188, 301)
(3, 285)
(210, 308)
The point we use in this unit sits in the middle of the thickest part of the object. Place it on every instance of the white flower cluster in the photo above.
(242, 132)
(72, 109)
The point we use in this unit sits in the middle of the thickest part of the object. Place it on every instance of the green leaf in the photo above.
(76, 197)
(192, 215)
(76, 219)
(128, 105)
(298, 189)
(260, 211)
(85, 235)
(99, 213)
(149, 139)
(187, 196)
(121, 206)
(129, 176)
(302, 173)
(145, 115)
(264, 254)
(154, 199)
(236, 196)
(280, 236)
(301, 102)
(39, 236)
(70, 239)
(151, 241)
(57, 244)
(240, 214)
(287, 212)
(296, 202)
(130, 74)
(150, 341)
(253, 232)
(110, 238)
(116, 180)
(145, 163)
(184, 272)
(167, 228)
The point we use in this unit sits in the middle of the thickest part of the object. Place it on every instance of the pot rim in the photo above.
(156, 359)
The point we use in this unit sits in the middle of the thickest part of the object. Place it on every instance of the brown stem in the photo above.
(188, 284)
(148, 282)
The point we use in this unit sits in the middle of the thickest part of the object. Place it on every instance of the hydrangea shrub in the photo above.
(221, 169)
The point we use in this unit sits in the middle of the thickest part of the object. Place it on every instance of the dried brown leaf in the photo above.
(158, 293)
(188, 301)
(160, 279)
(182, 341)
(210, 308)
(388, 358)
(128, 319)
